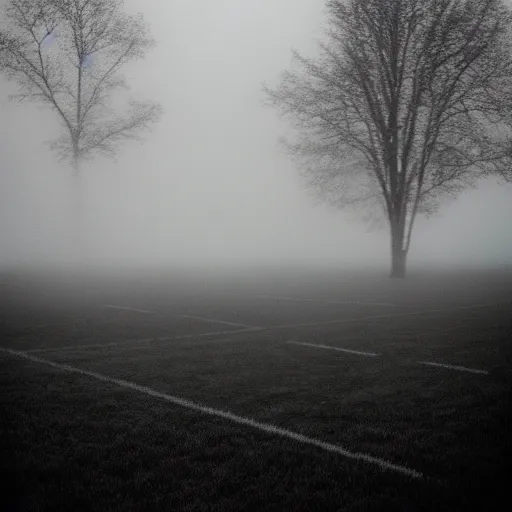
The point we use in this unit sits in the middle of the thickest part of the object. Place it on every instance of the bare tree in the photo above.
(67, 54)
(409, 101)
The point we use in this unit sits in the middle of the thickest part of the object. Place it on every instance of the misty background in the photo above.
(211, 185)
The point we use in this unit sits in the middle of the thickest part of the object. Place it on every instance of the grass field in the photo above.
(263, 391)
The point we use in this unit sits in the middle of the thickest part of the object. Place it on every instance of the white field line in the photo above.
(382, 317)
(324, 301)
(215, 321)
(241, 420)
(454, 367)
(126, 308)
(193, 317)
(266, 329)
(337, 349)
(138, 341)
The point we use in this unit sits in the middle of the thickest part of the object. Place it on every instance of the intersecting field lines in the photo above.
(252, 329)
(192, 317)
(216, 321)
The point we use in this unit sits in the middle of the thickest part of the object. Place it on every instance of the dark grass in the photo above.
(386, 407)
(478, 338)
(102, 327)
(80, 445)
(72, 443)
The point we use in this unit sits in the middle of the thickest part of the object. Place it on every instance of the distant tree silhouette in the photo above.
(67, 54)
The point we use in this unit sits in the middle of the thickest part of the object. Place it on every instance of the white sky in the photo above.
(211, 183)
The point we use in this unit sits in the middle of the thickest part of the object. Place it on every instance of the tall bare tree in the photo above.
(67, 54)
(408, 101)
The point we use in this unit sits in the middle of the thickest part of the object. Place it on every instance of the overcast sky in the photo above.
(210, 183)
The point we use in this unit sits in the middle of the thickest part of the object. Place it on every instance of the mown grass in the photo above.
(72, 443)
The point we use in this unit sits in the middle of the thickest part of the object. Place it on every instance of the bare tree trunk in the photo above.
(78, 222)
(398, 252)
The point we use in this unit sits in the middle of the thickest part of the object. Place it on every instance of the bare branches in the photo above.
(418, 92)
(68, 54)
(106, 138)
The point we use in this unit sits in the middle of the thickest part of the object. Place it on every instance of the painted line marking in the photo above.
(270, 328)
(126, 308)
(374, 304)
(454, 367)
(139, 341)
(383, 317)
(192, 317)
(324, 301)
(213, 320)
(337, 349)
(241, 420)
(213, 333)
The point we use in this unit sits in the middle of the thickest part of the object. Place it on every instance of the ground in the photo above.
(268, 390)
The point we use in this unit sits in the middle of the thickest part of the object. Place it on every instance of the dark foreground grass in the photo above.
(69, 442)
(74, 444)
(394, 409)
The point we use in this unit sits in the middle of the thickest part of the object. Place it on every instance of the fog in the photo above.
(211, 185)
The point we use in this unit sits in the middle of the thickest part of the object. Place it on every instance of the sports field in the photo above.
(259, 391)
